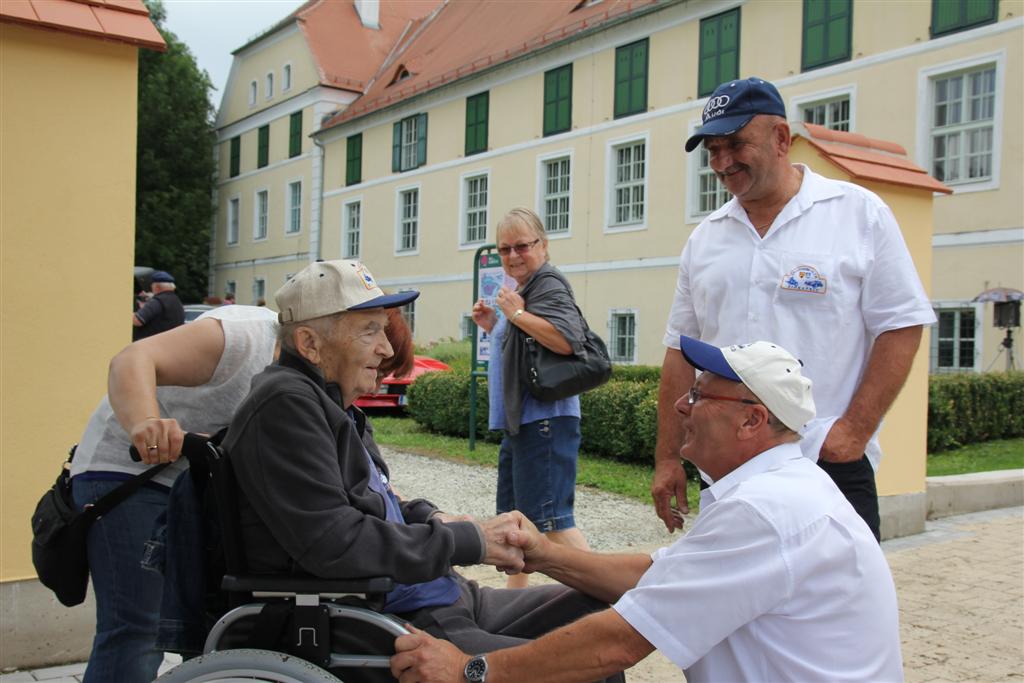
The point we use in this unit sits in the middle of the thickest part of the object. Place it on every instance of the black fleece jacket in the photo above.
(304, 496)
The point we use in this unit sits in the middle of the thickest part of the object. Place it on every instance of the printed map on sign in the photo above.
(491, 277)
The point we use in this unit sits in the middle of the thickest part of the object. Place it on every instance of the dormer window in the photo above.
(270, 85)
(252, 93)
(400, 74)
(286, 77)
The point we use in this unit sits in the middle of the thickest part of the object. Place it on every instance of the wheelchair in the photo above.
(284, 628)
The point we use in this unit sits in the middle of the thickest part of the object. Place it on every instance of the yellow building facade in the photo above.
(67, 178)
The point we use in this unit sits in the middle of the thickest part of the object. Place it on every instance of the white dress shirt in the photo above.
(830, 275)
(778, 580)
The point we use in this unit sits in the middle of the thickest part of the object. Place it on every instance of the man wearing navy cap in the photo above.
(779, 579)
(817, 265)
(162, 312)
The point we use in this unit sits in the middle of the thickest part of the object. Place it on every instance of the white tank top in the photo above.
(248, 348)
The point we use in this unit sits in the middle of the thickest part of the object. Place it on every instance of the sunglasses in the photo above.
(520, 248)
(695, 395)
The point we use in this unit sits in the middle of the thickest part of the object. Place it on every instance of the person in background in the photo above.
(229, 298)
(537, 460)
(776, 577)
(817, 265)
(163, 311)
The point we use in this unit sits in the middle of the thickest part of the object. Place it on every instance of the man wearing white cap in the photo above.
(315, 498)
(774, 580)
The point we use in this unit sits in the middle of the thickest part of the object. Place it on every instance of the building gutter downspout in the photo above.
(317, 207)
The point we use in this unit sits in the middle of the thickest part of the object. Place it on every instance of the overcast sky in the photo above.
(213, 28)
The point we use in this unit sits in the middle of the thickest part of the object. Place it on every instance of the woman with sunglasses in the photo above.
(537, 460)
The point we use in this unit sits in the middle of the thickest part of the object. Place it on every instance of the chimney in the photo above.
(369, 13)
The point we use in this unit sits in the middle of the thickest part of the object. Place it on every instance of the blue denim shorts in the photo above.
(537, 472)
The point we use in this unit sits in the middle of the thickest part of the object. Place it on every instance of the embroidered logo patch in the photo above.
(365, 276)
(805, 279)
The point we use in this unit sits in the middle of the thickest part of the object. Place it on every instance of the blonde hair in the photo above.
(521, 217)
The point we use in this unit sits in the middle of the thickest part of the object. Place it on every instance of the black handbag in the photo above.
(551, 376)
(59, 533)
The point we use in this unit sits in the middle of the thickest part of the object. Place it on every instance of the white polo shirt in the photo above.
(778, 580)
(830, 275)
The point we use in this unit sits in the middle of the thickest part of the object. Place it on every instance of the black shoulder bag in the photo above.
(550, 376)
(59, 532)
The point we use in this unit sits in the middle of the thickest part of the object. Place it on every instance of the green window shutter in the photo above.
(421, 142)
(396, 148)
(476, 123)
(631, 78)
(263, 146)
(827, 32)
(558, 100)
(236, 156)
(950, 16)
(622, 63)
(295, 135)
(354, 159)
(719, 51)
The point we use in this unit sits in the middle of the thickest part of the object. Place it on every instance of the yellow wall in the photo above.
(286, 46)
(67, 178)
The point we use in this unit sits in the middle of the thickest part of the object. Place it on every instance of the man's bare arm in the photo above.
(677, 376)
(889, 363)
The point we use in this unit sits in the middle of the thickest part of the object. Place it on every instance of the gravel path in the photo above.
(611, 523)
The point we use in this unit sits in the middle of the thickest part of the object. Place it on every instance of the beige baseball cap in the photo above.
(768, 370)
(327, 287)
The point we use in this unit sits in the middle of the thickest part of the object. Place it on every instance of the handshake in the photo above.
(512, 543)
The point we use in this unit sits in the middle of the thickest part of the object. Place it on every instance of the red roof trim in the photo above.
(123, 21)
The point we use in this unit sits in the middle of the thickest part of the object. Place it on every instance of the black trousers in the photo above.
(856, 481)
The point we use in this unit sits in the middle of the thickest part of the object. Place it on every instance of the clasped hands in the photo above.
(512, 543)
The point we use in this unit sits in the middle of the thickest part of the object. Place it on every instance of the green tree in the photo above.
(175, 165)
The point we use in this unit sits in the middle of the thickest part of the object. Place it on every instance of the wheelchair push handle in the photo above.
(192, 445)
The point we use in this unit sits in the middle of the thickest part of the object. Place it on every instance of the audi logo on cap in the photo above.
(716, 106)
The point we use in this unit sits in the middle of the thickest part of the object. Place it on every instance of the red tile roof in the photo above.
(346, 53)
(462, 38)
(866, 158)
(125, 21)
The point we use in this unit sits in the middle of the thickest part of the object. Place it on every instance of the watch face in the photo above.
(476, 669)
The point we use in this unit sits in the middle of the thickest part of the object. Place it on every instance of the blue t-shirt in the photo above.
(533, 409)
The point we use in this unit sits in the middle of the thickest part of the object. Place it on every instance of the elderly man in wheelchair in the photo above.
(312, 520)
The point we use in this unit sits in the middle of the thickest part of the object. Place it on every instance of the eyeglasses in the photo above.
(696, 395)
(520, 248)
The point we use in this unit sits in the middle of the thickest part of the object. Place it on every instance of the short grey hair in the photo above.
(324, 326)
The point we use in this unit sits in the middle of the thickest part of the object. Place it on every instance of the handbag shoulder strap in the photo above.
(118, 495)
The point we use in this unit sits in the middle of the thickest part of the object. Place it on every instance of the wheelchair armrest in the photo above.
(307, 585)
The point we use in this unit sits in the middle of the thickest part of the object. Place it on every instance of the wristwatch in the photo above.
(517, 313)
(476, 669)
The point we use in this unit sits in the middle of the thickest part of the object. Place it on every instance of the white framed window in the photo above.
(409, 313)
(261, 208)
(293, 212)
(229, 287)
(554, 192)
(475, 191)
(956, 337)
(705, 192)
(407, 221)
(252, 93)
(960, 107)
(269, 84)
(286, 78)
(352, 226)
(835, 108)
(410, 138)
(627, 184)
(233, 209)
(622, 335)
(259, 291)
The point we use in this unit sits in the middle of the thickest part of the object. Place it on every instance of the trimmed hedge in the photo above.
(620, 418)
(969, 408)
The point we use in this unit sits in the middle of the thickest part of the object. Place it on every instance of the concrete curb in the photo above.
(962, 493)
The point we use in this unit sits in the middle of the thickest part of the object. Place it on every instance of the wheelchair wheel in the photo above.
(237, 666)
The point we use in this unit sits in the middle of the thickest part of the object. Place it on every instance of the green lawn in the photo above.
(1006, 454)
(634, 481)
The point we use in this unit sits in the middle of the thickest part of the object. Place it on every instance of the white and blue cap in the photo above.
(328, 287)
(771, 373)
(733, 105)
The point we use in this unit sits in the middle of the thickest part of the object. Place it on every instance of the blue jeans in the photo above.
(127, 596)
(537, 472)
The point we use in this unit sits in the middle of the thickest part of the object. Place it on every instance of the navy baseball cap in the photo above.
(733, 104)
(161, 276)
